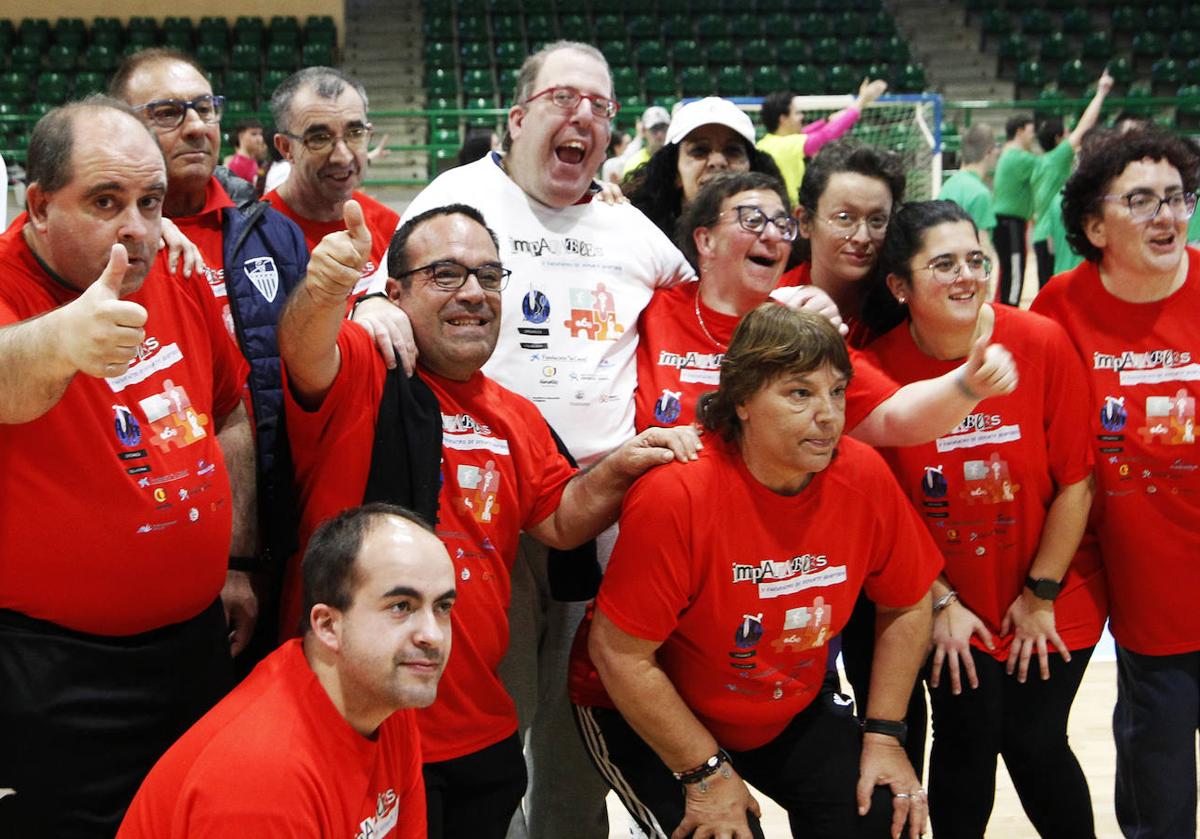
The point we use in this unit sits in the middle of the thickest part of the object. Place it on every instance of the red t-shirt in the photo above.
(275, 758)
(860, 334)
(381, 220)
(244, 167)
(501, 473)
(1144, 381)
(677, 362)
(985, 487)
(744, 587)
(205, 231)
(135, 523)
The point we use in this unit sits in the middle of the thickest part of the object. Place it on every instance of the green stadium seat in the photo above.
(609, 28)
(271, 80)
(509, 53)
(642, 27)
(439, 54)
(1140, 90)
(911, 79)
(1030, 74)
(472, 28)
(1165, 76)
(674, 26)
(1162, 18)
(1148, 45)
(1191, 71)
(722, 52)
(54, 88)
(249, 30)
(650, 53)
(245, 57)
(995, 24)
(442, 121)
(61, 58)
(658, 81)
(732, 81)
(758, 51)
(1122, 70)
(211, 57)
(213, 31)
(236, 110)
(475, 54)
(894, 50)
(1124, 19)
(473, 7)
(70, 31)
(792, 51)
(816, 25)
(861, 50)
(617, 52)
(480, 104)
(712, 27)
(805, 79)
(284, 29)
(438, 26)
(841, 79)
(1013, 47)
(687, 53)
(625, 80)
(764, 80)
(34, 32)
(827, 50)
(508, 28)
(1077, 22)
(88, 82)
(281, 57)
(540, 28)
(745, 27)
(8, 35)
(881, 25)
(575, 28)
(696, 81)
(321, 26)
(1184, 44)
(1073, 76)
(507, 79)
(779, 26)
(1189, 17)
(1055, 48)
(178, 35)
(1037, 22)
(1097, 47)
(849, 24)
(139, 40)
(315, 53)
(445, 137)
(478, 83)
(240, 84)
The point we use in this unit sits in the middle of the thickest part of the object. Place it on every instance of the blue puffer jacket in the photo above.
(265, 258)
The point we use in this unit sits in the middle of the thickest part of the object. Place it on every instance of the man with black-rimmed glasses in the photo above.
(253, 257)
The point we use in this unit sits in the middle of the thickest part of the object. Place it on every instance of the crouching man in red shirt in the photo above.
(457, 447)
(321, 739)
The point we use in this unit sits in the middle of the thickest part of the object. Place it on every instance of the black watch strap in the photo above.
(707, 769)
(892, 728)
(248, 564)
(1043, 589)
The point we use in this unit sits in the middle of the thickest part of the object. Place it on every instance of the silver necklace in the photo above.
(700, 320)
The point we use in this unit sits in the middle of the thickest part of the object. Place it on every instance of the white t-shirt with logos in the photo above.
(581, 276)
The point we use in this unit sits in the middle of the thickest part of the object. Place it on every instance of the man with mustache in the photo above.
(253, 258)
(321, 740)
(123, 437)
(451, 443)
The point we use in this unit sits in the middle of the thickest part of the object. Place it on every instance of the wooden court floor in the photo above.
(1091, 737)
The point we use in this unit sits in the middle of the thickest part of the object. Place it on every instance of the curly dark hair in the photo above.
(654, 188)
(703, 210)
(769, 342)
(905, 236)
(1104, 156)
(846, 156)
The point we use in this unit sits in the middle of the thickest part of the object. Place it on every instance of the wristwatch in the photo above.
(892, 728)
(1044, 589)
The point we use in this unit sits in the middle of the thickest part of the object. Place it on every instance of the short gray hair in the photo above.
(977, 141)
(326, 82)
(531, 67)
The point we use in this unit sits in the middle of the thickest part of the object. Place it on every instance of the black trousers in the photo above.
(858, 651)
(1009, 239)
(475, 796)
(1045, 261)
(810, 769)
(84, 717)
(1027, 724)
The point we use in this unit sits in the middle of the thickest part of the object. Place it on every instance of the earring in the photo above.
(900, 299)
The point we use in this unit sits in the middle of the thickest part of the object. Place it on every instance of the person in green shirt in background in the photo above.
(968, 187)
(1014, 204)
(1053, 168)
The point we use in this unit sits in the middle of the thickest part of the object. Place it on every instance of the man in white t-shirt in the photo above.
(583, 271)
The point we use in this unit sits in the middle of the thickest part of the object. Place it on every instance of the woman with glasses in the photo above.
(846, 199)
(706, 138)
(1131, 310)
(739, 231)
(704, 666)
(1005, 495)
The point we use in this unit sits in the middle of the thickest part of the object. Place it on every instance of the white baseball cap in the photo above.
(655, 116)
(712, 110)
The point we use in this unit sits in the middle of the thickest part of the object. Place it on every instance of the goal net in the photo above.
(908, 124)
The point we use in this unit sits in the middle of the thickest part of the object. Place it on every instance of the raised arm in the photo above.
(1092, 112)
(309, 326)
(96, 334)
(922, 411)
(591, 500)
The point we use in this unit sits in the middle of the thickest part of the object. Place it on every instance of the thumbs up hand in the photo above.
(337, 261)
(988, 371)
(102, 332)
